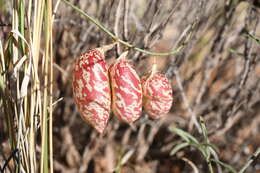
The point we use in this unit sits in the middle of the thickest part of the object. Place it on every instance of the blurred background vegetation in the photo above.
(215, 76)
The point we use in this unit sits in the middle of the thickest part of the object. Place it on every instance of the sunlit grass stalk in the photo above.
(15, 56)
(51, 17)
(35, 100)
(47, 132)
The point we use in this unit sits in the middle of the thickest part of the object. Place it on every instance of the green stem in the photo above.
(210, 166)
(250, 160)
(230, 168)
(101, 27)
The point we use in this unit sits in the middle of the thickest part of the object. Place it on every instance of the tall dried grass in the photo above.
(26, 85)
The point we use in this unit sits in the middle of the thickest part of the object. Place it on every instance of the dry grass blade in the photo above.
(22, 63)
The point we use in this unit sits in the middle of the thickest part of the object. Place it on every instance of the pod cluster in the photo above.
(99, 89)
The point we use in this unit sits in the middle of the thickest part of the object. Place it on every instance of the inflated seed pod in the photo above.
(157, 94)
(126, 90)
(91, 88)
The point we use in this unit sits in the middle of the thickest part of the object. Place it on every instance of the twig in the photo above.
(159, 27)
(186, 102)
(248, 51)
(13, 155)
(229, 124)
(5, 25)
(117, 24)
(101, 27)
(126, 12)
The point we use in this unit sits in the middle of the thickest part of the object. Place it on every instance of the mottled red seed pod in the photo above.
(157, 95)
(91, 88)
(126, 90)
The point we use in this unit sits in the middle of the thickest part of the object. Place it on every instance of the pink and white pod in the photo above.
(157, 95)
(91, 88)
(126, 90)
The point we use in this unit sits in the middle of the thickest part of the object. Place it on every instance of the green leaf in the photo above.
(230, 168)
(186, 136)
(179, 147)
(204, 129)
(214, 147)
(201, 148)
(253, 37)
(235, 51)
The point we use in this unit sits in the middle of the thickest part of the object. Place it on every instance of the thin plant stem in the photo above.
(206, 140)
(104, 29)
(210, 167)
(250, 160)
